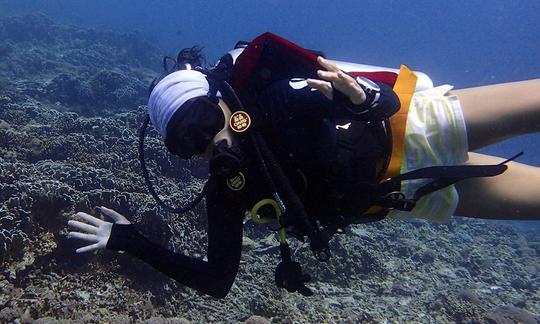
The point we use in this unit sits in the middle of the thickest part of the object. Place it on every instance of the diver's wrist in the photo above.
(372, 92)
(358, 99)
(122, 237)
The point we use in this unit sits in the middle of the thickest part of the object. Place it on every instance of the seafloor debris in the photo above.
(69, 114)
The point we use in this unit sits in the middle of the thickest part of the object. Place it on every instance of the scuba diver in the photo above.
(314, 146)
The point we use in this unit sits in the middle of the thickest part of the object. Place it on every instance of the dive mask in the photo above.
(193, 127)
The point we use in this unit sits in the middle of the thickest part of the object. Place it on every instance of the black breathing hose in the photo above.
(178, 210)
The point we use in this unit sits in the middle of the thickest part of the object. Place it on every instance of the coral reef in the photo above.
(69, 116)
(87, 71)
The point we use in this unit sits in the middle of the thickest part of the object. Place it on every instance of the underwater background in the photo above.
(463, 43)
(73, 84)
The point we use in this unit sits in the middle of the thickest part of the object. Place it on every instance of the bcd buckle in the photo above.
(397, 200)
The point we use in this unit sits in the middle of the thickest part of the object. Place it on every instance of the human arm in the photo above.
(335, 95)
(213, 277)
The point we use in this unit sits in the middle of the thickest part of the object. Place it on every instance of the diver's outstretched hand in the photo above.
(95, 230)
(333, 77)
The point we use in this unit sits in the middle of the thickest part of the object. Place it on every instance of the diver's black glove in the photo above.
(289, 274)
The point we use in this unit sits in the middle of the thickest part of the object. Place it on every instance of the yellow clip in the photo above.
(260, 220)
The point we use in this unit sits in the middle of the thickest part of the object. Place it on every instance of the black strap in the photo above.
(443, 176)
(146, 174)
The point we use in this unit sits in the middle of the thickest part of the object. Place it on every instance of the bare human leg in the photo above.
(513, 195)
(492, 114)
(497, 112)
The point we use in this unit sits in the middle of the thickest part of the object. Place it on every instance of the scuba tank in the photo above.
(424, 82)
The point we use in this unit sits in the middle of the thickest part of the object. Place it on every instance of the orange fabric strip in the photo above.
(404, 87)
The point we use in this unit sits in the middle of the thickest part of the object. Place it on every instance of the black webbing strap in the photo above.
(443, 176)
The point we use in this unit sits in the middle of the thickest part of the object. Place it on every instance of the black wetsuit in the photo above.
(299, 125)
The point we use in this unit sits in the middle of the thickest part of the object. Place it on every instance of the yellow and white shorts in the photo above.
(435, 135)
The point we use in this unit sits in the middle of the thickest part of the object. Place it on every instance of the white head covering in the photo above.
(171, 93)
